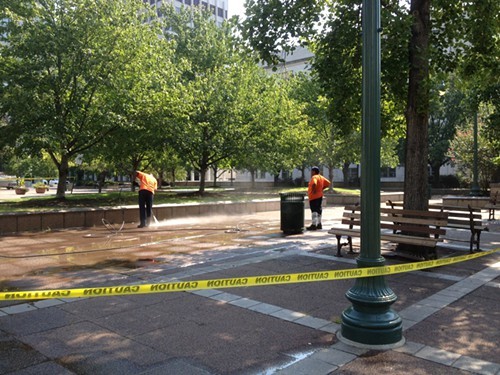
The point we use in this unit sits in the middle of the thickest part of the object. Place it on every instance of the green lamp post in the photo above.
(370, 321)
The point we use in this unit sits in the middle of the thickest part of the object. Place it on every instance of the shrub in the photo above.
(450, 181)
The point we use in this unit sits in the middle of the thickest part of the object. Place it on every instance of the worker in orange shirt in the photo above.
(147, 188)
(315, 194)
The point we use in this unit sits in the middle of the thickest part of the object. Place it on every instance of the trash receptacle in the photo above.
(292, 212)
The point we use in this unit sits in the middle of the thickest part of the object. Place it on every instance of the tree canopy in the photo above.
(62, 68)
(414, 45)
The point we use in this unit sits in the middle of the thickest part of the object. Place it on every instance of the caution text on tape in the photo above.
(180, 286)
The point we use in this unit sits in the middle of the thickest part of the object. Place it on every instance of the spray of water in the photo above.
(157, 223)
(199, 220)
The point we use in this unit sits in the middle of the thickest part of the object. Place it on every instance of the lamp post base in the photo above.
(355, 344)
(375, 330)
(370, 320)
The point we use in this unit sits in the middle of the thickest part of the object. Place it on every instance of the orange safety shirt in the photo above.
(316, 186)
(147, 182)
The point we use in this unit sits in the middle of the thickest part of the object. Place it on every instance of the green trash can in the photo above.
(292, 213)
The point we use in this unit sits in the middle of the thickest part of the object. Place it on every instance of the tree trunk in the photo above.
(100, 181)
(345, 174)
(172, 176)
(330, 177)
(252, 178)
(214, 168)
(203, 172)
(417, 111)
(63, 176)
(160, 179)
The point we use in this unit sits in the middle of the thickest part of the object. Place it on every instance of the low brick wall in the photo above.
(477, 202)
(63, 219)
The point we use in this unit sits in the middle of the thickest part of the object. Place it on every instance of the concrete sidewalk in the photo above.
(450, 314)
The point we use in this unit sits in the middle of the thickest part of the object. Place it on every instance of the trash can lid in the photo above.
(292, 196)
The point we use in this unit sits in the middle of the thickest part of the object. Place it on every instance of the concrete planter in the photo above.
(21, 190)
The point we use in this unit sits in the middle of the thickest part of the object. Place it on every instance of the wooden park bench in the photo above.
(459, 217)
(422, 229)
(491, 206)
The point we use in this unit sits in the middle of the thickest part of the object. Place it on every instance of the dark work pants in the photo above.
(315, 205)
(145, 206)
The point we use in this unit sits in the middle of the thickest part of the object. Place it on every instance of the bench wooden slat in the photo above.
(416, 213)
(411, 240)
(397, 238)
(397, 211)
(463, 215)
(415, 221)
(400, 227)
(465, 226)
(397, 218)
(446, 207)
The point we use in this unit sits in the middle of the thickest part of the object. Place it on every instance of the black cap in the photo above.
(315, 169)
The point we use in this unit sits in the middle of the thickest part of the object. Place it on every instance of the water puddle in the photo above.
(119, 248)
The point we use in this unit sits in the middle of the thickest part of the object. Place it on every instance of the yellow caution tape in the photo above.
(238, 282)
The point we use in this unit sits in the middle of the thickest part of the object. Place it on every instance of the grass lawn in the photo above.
(124, 198)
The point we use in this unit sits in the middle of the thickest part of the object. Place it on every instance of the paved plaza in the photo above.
(450, 314)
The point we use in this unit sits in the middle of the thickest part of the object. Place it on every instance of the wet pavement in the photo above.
(450, 314)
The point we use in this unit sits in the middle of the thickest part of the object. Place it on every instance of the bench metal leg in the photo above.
(349, 240)
(340, 244)
(491, 214)
(431, 253)
(476, 241)
(426, 253)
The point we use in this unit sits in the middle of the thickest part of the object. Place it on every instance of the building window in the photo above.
(187, 2)
(220, 12)
(387, 172)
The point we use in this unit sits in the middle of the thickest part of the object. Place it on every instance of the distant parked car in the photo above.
(55, 182)
(8, 182)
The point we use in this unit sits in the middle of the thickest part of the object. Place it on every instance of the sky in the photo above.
(236, 7)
